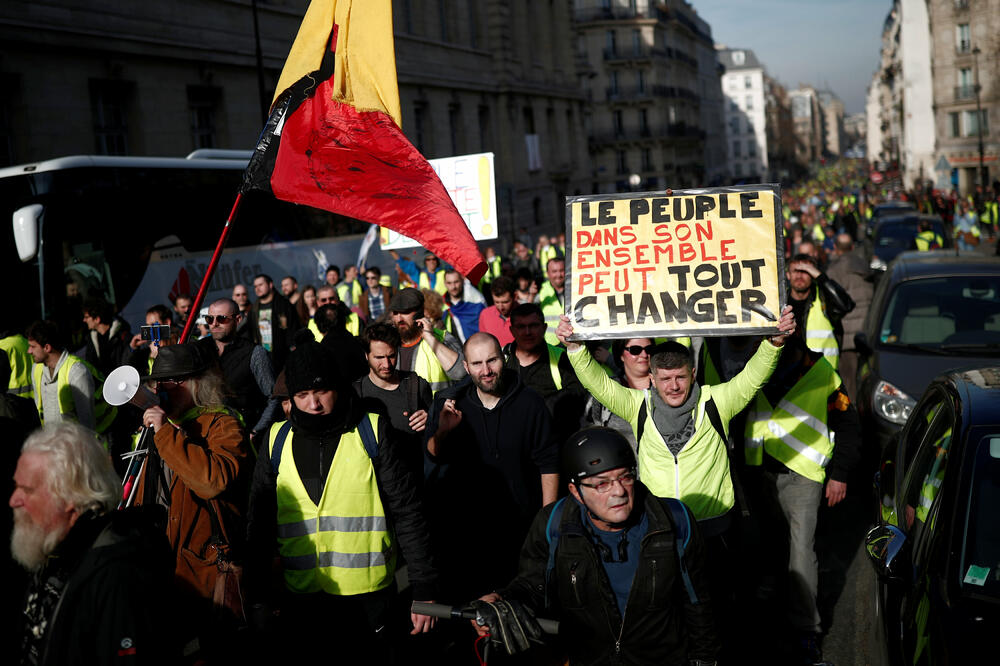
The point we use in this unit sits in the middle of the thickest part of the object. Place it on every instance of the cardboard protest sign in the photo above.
(699, 262)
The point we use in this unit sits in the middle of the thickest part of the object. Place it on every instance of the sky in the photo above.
(824, 43)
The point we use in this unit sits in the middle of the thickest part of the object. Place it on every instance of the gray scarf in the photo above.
(675, 424)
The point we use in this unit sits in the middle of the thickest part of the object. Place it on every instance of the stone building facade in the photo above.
(745, 114)
(166, 78)
(644, 69)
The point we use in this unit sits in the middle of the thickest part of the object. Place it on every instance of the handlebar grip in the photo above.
(457, 613)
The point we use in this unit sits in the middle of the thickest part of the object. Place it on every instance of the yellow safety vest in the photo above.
(544, 255)
(552, 309)
(924, 239)
(492, 272)
(350, 292)
(427, 365)
(104, 413)
(352, 325)
(555, 353)
(16, 347)
(699, 475)
(344, 545)
(439, 286)
(819, 333)
(795, 432)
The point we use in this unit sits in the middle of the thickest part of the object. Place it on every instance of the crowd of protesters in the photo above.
(322, 454)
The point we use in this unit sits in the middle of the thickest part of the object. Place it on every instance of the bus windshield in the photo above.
(106, 227)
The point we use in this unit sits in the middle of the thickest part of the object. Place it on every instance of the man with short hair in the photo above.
(242, 299)
(819, 305)
(274, 319)
(349, 321)
(332, 275)
(433, 354)
(290, 289)
(545, 368)
(853, 273)
(334, 465)
(330, 321)
(376, 296)
(402, 396)
(495, 319)
(65, 386)
(927, 239)
(462, 317)
(625, 572)
(108, 336)
(551, 297)
(100, 585)
(350, 289)
(245, 366)
(182, 308)
(493, 439)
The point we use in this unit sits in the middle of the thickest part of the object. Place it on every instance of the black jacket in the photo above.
(313, 455)
(836, 303)
(116, 571)
(661, 624)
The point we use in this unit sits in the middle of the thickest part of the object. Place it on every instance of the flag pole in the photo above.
(207, 278)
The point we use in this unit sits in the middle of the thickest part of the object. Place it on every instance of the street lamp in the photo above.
(983, 176)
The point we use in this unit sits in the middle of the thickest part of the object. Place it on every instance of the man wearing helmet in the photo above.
(622, 570)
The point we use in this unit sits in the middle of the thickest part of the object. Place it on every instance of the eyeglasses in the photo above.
(371, 277)
(324, 300)
(169, 382)
(222, 319)
(604, 485)
(635, 350)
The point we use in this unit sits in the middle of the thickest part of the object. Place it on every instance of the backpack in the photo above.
(680, 517)
(364, 429)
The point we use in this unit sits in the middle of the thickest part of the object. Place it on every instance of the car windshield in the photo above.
(900, 234)
(959, 314)
(980, 566)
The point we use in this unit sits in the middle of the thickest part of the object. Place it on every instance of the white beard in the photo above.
(30, 544)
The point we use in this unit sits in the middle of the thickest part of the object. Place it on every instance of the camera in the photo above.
(155, 332)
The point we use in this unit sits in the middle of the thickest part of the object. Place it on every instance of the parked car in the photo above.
(931, 312)
(895, 234)
(888, 209)
(936, 547)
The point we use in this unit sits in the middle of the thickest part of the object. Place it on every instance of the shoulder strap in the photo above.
(712, 412)
(279, 444)
(641, 423)
(552, 537)
(368, 436)
(412, 393)
(681, 518)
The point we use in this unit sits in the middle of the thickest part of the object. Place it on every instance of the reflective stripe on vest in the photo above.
(16, 348)
(819, 333)
(795, 432)
(439, 286)
(315, 330)
(104, 413)
(352, 326)
(427, 365)
(554, 354)
(552, 309)
(699, 475)
(342, 546)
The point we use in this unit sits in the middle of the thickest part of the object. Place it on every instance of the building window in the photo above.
(739, 57)
(621, 165)
(619, 123)
(614, 83)
(109, 104)
(443, 21)
(473, 23)
(954, 126)
(734, 125)
(203, 102)
(971, 127)
(420, 127)
(751, 149)
(644, 122)
(456, 129)
(738, 170)
(965, 88)
(637, 42)
(749, 106)
(610, 42)
(747, 82)
(484, 129)
(647, 159)
(407, 13)
(963, 38)
(737, 145)
(640, 80)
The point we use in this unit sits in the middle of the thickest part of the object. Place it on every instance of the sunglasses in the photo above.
(635, 350)
(222, 319)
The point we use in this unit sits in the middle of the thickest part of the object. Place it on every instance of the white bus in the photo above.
(138, 230)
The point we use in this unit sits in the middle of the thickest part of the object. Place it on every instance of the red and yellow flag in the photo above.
(333, 138)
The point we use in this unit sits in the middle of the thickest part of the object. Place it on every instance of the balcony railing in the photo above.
(965, 92)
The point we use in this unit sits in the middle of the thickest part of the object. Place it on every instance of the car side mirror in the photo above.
(861, 344)
(883, 545)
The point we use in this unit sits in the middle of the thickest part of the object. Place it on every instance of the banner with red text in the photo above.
(699, 262)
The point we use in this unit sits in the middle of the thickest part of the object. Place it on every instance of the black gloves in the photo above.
(511, 624)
